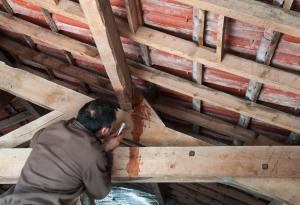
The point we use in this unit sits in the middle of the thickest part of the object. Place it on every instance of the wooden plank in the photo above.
(253, 12)
(48, 94)
(13, 120)
(132, 15)
(249, 69)
(103, 27)
(172, 163)
(49, 20)
(220, 37)
(216, 125)
(25, 133)
(217, 98)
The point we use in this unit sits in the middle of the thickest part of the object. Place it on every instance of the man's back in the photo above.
(66, 159)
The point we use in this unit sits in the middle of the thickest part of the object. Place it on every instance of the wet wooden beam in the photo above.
(103, 27)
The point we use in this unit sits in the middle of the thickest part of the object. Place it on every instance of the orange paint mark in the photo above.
(133, 165)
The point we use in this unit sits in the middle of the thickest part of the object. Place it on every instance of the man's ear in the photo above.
(104, 130)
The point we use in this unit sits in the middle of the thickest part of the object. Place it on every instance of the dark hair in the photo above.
(97, 114)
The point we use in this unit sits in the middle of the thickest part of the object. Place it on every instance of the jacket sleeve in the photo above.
(97, 177)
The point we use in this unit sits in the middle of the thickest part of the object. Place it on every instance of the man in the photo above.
(67, 158)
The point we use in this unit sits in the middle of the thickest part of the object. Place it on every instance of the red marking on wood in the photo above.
(133, 165)
(118, 3)
(141, 112)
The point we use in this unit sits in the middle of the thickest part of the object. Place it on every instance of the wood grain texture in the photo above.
(185, 163)
(103, 27)
(142, 125)
(217, 98)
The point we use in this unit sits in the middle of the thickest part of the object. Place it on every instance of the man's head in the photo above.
(97, 116)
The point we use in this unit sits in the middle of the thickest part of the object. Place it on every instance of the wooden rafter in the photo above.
(249, 69)
(236, 65)
(103, 27)
(253, 12)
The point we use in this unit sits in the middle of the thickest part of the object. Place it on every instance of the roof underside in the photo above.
(241, 39)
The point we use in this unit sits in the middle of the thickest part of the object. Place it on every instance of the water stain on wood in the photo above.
(141, 114)
(133, 165)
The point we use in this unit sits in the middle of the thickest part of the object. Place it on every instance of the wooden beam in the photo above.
(7, 7)
(217, 98)
(215, 124)
(132, 15)
(49, 20)
(26, 54)
(235, 194)
(171, 163)
(253, 12)
(52, 97)
(141, 129)
(13, 120)
(236, 65)
(36, 32)
(214, 194)
(220, 38)
(103, 27)
(25, 133)
(199, 18)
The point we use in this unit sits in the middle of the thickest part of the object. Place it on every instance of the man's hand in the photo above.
(112, 141)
